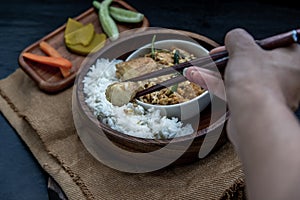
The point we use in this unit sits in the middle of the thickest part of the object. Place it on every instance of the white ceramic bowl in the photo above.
(186, 110)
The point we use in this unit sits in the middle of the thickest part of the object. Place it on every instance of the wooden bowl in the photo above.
(133, 154)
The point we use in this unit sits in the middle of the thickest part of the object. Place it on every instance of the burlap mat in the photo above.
(45, 124)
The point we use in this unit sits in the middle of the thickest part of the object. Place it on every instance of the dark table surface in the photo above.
(24, 22)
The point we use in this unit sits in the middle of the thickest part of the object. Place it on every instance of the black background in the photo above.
(24, 22)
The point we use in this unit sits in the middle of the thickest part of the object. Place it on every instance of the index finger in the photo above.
(217, 49)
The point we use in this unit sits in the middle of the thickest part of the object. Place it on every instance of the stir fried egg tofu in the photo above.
(135, 67)
(121, 93)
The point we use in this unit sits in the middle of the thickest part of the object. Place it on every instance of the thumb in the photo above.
(239, 40)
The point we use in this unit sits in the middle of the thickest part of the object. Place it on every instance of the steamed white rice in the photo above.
(129, 119)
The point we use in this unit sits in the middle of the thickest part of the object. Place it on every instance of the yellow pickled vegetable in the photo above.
(83, 35)
(82, 39)
(72, 25)
(96, 44)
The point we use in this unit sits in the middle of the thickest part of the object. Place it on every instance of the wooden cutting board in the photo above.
(50, 79)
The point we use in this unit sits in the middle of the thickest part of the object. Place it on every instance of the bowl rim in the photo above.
(177, 104)
(146, 46)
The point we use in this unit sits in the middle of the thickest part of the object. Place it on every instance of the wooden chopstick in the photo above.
(218, 60)
(220, 63)
(179, 67)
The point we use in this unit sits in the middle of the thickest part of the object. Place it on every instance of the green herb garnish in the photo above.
(152, 47)
(176, 58)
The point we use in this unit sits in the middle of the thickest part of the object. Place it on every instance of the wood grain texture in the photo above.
(49, 79)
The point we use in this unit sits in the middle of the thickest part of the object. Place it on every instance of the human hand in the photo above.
(263, 89)
(252, 68)
(253, 73)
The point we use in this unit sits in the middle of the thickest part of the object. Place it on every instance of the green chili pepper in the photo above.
(108, 24)
(174, 88)
(96, 4)
(123, 15)
(176, 58)
(152, 47)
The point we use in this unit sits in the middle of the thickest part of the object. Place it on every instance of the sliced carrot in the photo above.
(47, 60)
(65, 72)
(51, 51)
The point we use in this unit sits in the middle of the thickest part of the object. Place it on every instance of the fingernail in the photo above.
(184, 71)
(188, 74)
